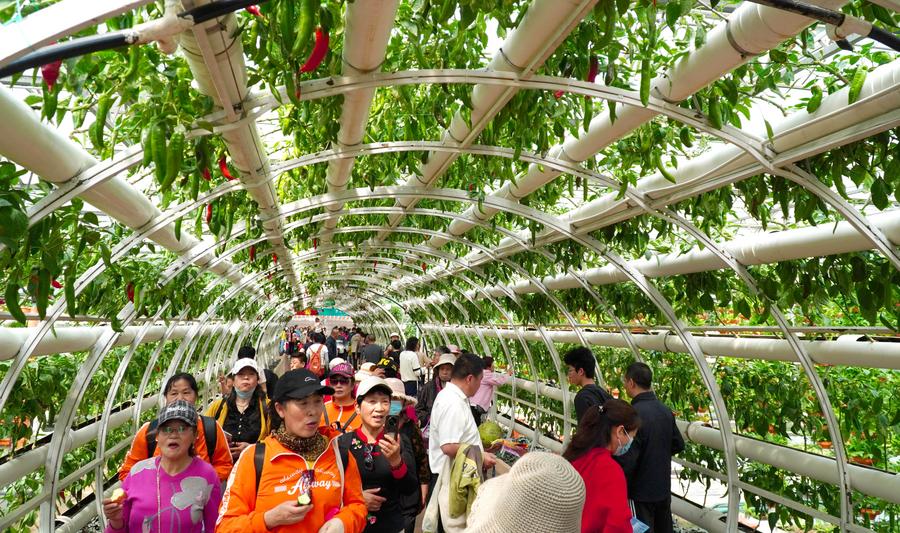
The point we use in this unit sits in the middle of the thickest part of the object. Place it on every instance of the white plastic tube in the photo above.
(80, 338)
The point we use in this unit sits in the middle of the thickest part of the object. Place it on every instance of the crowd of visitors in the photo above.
(355, 436)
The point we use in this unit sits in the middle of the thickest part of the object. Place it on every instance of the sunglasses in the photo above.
(368, 460)
(340, 380)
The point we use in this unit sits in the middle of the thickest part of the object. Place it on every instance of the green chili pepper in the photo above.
(305, 25)
(12, 302)
(158, 139)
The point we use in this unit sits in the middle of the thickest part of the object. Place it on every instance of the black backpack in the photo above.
(210, 434)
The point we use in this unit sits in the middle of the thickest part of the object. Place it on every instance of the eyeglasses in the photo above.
(339, 381)
(174, 430)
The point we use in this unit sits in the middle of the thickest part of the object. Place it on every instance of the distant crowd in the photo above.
(357, 436)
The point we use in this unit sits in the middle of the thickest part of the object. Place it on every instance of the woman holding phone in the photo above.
(385, 458)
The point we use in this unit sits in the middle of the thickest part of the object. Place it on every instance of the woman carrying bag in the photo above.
(296, 479)
(242, 414)
(385, 456)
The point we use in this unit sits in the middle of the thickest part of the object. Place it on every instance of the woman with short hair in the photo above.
(210, 444)
(296, 480)
(243, 413)
(385, 456)
(176, 491)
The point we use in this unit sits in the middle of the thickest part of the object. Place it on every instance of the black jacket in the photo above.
(331, 344)
(427, 395)
(589, 396)
(377, 474)
(648, 464)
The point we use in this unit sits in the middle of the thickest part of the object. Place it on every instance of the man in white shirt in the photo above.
(410, 371)
(452, 425)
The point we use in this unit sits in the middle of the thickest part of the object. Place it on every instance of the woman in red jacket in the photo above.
(604, 431)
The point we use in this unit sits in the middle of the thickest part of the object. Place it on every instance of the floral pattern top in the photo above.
(156, 502)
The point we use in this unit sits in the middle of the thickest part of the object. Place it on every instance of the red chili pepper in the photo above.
(315, 244)
(129, 291)
(269, 276)
(558, 94)
(206, 174)
(274, 258)
(595, 67)
(318, 52)
(424, 267)
(223, 168)
(375, 266)
(50, 73)
(253, 10)
(208, 213)
(56, 284)
(252, 252)
(471, 187)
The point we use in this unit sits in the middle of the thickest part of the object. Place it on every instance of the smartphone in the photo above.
(228, 436)
(392, 425)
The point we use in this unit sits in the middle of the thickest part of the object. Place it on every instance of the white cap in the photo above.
(394, 335)
(335, 362)
(370, 383)
(246, 362)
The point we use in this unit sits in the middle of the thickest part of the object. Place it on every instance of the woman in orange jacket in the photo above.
(212, 448)
(296, 479)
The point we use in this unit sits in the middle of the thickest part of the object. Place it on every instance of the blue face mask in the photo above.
(243, 395)
(623, 448)
(396, 407)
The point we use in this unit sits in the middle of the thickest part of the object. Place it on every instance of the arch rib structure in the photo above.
(720, 203)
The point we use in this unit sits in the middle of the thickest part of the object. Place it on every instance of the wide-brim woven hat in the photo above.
(541, 492)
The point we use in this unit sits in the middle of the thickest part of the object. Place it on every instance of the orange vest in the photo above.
(342, 414)
(281, 480)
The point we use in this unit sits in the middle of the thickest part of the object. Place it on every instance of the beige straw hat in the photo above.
(542, 492)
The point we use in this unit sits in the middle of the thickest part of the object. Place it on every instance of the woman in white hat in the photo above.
(403, 405)
(541, 492)
(429, 392)
(243, 413)
(384, 456)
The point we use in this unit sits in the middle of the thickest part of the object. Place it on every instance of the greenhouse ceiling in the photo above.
(712, 187)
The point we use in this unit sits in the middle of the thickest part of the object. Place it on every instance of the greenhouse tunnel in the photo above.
(710, 187)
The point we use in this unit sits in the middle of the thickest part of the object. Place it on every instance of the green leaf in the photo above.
(673, 11)
(880, 194)
(769, 133)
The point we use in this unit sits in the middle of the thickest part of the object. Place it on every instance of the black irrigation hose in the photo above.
(828, 16)
(109, 41)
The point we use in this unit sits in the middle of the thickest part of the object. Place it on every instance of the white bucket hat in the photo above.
(541, 492)
(446, 359)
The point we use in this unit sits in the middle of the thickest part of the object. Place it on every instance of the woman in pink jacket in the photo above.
(481, 402)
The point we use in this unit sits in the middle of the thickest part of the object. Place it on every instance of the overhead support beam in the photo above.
(750, 30)
(796, 137)
(216, 57)
(543, 28)
(55, 158)
(813, 241)
(847, 350)
(367, 32)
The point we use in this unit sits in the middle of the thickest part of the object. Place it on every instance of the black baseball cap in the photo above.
(298, 384)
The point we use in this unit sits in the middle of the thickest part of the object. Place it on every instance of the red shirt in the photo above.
(606, 498)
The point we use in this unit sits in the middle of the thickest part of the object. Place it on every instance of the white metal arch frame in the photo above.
(636, 277)
(528, 213)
